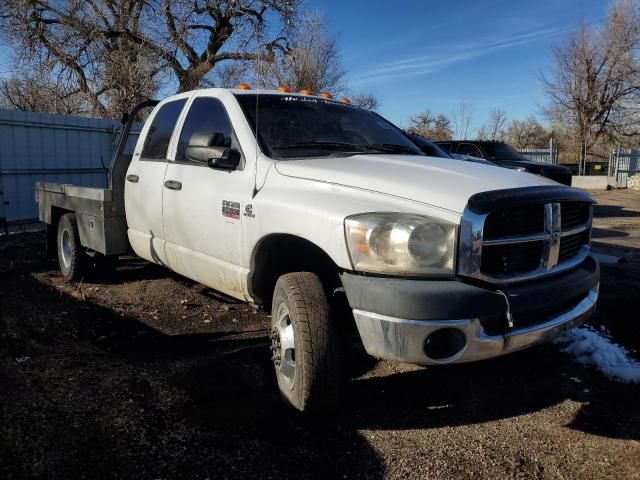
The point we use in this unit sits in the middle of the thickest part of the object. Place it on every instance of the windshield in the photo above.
(304, 126)
(502, 151)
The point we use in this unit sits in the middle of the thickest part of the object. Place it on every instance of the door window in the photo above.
(157, 140)
(469, 149)
(207, 119)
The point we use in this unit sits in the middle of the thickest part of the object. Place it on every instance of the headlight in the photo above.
(400, 243)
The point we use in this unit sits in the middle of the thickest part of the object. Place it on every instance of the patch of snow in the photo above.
(593, 349)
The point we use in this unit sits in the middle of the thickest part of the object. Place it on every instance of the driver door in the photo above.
(202, 205)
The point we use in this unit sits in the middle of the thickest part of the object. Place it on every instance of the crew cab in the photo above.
(301, 204)
(506, 156)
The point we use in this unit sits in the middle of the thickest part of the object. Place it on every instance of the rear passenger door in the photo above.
(144, 182)
(203, 205)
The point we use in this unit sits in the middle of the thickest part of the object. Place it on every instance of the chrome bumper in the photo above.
(403, 340)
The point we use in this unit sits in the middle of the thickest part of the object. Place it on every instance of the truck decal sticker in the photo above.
(248, 211)
(317, 100)
(231, 209)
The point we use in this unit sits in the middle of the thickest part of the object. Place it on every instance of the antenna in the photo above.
(255, 165)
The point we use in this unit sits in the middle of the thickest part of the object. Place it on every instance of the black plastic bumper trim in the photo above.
(454, 300)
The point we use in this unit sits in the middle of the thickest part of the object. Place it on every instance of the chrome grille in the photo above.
(571, 245)
(514, 221)
(524, 242)
(574, 214)
(511, 258)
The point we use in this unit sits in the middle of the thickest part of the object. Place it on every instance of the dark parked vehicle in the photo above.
(434, 150)
(428, 147)
(506, 156)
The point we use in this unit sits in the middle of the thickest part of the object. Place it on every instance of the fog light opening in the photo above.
(444, 343)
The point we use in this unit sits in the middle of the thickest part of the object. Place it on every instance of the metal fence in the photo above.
(53, 148)
(544, 155)
(624, 163)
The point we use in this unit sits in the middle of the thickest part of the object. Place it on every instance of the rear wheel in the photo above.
(303, 343)
(71, 254)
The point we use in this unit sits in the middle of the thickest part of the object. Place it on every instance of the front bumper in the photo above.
(541, 310)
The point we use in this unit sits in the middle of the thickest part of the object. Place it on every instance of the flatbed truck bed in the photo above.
(100, 212)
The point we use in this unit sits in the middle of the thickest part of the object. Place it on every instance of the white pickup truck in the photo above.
(299, 203)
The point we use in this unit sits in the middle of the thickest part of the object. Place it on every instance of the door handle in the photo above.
(173, 185)
(133, 178)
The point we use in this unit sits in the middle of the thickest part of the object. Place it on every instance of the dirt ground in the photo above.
(149, 375)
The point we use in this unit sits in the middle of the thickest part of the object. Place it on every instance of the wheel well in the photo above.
(52, 230)
(278, 254)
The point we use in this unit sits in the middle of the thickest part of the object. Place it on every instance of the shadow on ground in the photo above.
(86, 390)
(89, 391)
(614, 211)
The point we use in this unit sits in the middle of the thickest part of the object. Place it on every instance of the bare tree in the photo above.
(527, 133)
(33, 94)
(462, 120)
(431, 126)
(365, 99)
(596, 85)
(228, 75)
(311, 61)
(79, 45)
(114, 50)
(128, 78)
(495, 129)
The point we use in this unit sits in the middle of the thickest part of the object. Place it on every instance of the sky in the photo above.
(426, 54)
(417, 55)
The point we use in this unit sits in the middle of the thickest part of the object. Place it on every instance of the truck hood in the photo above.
(441, 182)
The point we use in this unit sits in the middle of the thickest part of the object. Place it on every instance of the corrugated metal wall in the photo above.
(624, 163)
(543, 155)
(53, 148)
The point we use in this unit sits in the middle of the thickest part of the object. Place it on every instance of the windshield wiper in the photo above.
(319, 144)
(394, 148)
(376, 147)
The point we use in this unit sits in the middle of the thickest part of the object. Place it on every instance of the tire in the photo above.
(303, 343)
(71, 255)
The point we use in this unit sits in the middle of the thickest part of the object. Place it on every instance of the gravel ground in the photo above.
(149, 375)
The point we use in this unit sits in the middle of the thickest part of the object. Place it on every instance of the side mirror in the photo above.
(215, 157)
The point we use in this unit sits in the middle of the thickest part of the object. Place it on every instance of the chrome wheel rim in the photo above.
(65, 248)
(283, 346)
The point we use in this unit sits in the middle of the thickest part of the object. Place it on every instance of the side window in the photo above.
(207, 121)
(469, 149)
(446, 146)
(157, 141)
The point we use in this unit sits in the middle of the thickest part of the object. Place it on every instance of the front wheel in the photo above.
(303, 343)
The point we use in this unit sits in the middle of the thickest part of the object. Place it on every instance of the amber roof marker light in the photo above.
(306, 91)
(284, 89)
(345, 100)
(326, 95)
(244, 86)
